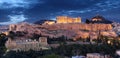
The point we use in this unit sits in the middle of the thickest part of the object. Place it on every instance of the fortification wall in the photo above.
(79, 26)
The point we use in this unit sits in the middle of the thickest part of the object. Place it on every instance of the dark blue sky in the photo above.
(14, 11)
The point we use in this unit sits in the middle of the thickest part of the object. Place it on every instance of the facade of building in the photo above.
(118, 52)
(26, 45)
(65, 19)
(78, 57)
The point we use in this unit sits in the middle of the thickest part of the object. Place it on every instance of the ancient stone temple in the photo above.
(26, 45)
(65, 19)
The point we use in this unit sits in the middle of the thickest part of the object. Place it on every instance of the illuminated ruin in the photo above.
(65, 19)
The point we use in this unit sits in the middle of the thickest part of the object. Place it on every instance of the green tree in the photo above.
(3, 39)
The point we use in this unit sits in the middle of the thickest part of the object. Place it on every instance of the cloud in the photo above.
(41, 9)
(101, 6)
(14, 19)
(15, 9)
(5, 4)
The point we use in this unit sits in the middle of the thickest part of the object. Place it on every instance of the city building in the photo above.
(118, 53)
(97, 55)
(78, 57)
(66, 19)
(28, 44)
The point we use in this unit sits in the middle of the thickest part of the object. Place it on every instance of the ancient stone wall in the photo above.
(79, 26)
(26, 45)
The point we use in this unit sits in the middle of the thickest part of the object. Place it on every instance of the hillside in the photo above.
(68, 30)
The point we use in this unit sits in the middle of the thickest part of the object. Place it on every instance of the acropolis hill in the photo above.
(69, 27)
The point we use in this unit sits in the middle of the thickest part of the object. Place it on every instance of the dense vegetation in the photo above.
(2, 44)
(64, 50)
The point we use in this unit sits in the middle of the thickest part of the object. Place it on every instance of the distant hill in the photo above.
(98, 19)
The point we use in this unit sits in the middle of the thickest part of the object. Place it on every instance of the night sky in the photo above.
(15, 11)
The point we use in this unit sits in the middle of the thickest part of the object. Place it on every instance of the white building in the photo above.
(97, 55)
(118, 52)
(78, 57)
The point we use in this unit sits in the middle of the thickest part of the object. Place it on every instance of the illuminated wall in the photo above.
(79, 26)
